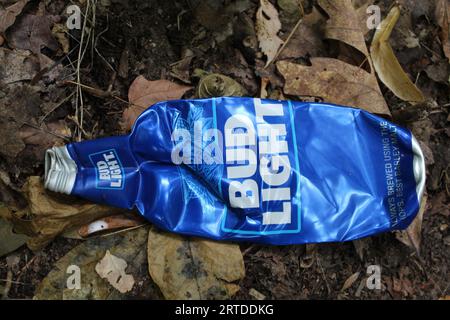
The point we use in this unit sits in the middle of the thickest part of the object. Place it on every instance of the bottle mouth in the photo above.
(60, 170)
(418, 168)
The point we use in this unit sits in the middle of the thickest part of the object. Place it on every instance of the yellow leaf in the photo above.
(190, 268)
(49, 214)
(386, 64)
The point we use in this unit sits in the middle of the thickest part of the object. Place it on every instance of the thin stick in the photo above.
(57, 106)
(46, 131)
(79, 109)
(101, 93)
(286, 42)
(9, 280)
(302, 14)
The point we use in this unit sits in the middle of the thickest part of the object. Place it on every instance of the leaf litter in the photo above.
(190, 268)
(144, 93)
(267, 26)
(334, 81)
(386, 64)
(112, 269)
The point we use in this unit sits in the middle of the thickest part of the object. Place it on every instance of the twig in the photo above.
(25, 267)
(56, 107)
(323, 274)
(286, 42)
(95, 44)
(179, 18)
(8, 284)
(45, 70)
(79, 93)
(248, 250)
(100, 93)
(302, 13)
(15, 282)
(46, 131)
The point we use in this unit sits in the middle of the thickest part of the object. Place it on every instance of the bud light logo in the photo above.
(109, 170)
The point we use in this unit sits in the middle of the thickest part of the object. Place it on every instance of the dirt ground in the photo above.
(145, 37)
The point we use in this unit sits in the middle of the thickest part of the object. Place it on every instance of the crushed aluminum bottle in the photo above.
(267, 171)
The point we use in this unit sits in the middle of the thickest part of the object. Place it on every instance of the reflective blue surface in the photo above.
(328, 173)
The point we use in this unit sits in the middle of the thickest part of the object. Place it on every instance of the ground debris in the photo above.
(189, 268)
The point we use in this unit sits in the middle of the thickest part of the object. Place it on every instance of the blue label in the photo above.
(109, 170)
(262, 170)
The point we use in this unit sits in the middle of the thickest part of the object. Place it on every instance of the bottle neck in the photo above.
(60, 170)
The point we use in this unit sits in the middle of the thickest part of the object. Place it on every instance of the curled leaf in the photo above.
(49, 214)
(350, 281)
(413, 234)
(267, 26)
(9, 14)
(218, 85)
(111, 224)
(386, 64)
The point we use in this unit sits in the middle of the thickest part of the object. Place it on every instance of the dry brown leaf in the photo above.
(39, 139)
(60, 32)
(306, 40)
(49, 214)
(9, 14)
(112, 268)
(267, 26)
(32, 33)
(10, 240)
(17, 65)
(193, 268)
(413, 234)
(350, 281)
(362, 14)
(143, 93)
(442, 12)
(335, 81)
(128, 246)
(344, 24)
(21, 104)
(386, 64)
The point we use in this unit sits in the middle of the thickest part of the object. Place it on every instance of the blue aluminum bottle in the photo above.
(267, 171)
